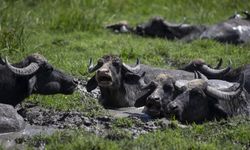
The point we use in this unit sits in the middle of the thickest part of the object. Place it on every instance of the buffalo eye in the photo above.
(100, 61)
(197, 92)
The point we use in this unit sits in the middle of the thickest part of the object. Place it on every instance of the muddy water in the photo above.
(10, 140)
(45, 121)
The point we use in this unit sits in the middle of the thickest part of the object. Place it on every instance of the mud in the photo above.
(46, 121)
(43, 121)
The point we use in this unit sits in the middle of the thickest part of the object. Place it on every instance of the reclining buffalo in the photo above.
(235, 30)
(228, 74)
(33, 75)
(200, 101)
(120, 84)
(195, 100)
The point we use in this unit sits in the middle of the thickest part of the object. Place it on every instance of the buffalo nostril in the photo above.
(155, 98)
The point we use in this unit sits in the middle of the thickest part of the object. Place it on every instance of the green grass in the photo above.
(68, 33)
(231, 134)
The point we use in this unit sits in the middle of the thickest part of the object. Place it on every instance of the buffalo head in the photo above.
(199, 101)
(115, 80)
(110, 71)
(160, 92)
(42, 77)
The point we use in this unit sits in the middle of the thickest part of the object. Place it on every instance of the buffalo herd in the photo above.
(196, 92)
(234, 30)
(185, 94)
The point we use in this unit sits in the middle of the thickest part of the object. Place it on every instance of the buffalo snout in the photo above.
(172, 107)
(104, 77)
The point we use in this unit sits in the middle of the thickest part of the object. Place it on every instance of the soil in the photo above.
(46, 121)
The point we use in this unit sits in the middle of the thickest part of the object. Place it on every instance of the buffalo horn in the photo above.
(207, 70)
(219, 64)
(226, 95)
(30, 69)
(131, 69)
(201, 76)
(92, 68)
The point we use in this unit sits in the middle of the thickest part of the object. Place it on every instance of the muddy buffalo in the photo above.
(120, 84)
(159, 93)
(195, 100)
(200, 101)
(32, 75)
(206, 69)
(235, 29)
(228, 74)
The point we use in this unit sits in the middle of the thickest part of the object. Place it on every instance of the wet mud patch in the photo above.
(125, 123)
(131, 119)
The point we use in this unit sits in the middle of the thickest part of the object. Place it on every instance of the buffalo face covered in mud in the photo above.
(199, 101)
(117, 81)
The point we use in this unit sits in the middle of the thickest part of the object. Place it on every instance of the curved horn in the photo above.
(226, 95)
(201, 76)
(219, 64)
(30, 69)
(131, 69)
(92, 68)
(214, 72)
(196, 75)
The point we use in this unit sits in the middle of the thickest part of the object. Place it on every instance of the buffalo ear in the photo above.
(91, 84)
(141, 101)
(31, 84)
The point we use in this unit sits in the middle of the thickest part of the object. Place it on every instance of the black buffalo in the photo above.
(159, 93)
(228, 74)
(200, 101)
(206, 69)
(234, 30)
(194, 100)
(120, 84)
(32, 75)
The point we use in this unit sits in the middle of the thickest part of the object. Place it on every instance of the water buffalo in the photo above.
(164, 89)
(32, 75)
(120, 84)
(199, 101)
(206, 69)
(235, 29)
(229, 74)
(159, 93)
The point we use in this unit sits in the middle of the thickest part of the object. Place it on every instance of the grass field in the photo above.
(69, 32)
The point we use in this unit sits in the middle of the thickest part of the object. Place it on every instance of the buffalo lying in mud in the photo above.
(235, 30)
(32, 75)
(196, 100)
(227, 74)
(120, 84)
